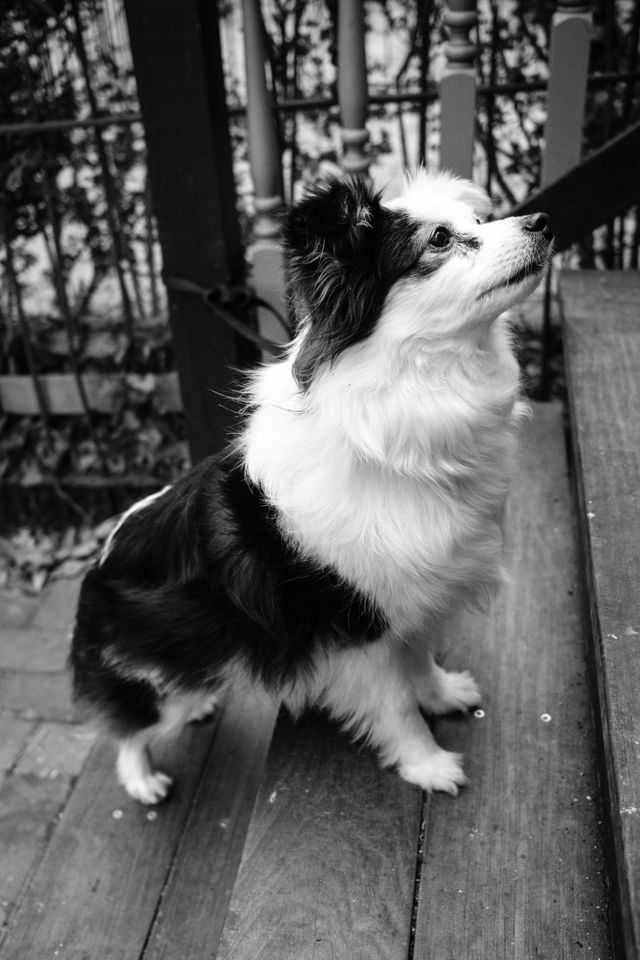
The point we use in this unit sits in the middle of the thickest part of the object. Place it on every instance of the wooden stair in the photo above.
(286, 842)
(602, 343)
(295, 846)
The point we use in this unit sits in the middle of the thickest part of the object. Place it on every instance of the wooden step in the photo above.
(602, 343)
(344, 860)
(115, 872)
(509, 870)
(60, 394)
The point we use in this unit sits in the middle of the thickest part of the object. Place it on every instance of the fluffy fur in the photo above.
(361, 503)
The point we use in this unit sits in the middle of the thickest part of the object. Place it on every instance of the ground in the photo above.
(42, 750)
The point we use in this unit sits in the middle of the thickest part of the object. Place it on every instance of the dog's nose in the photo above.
(539, 223)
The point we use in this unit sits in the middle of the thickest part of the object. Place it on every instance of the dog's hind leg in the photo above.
(134, 764)
(135, 769)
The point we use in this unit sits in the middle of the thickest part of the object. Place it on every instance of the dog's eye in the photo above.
(440, 237)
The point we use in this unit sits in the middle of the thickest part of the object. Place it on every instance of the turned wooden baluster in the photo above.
(458, 88)
(266, 170)
(568, 67)
(352, 85)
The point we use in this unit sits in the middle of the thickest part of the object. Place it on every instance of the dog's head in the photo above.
(415, 270)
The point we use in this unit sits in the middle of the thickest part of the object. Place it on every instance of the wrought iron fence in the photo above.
(81, 295)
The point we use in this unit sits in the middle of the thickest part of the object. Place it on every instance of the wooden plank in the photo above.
(267, 276)
(177, 60)
(602, 337)
(513, 868)
(351, 86)
(458, 88)
(62, 396)
(265, 252)
(106, 863)
(194, 903)
(110, 857)
(263, 136)
(570, 46)
(329, 864)
(603, 186)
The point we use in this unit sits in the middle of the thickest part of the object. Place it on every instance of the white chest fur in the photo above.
(397, 481)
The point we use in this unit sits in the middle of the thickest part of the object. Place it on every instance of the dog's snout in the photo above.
(539, 223)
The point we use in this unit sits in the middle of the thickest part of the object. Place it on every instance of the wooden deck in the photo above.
(296, 846)
(602, 332)
(285, 842)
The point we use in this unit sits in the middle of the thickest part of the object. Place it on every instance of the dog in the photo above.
(360, 503)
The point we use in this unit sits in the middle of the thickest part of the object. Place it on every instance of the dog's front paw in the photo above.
(459, 692)
(441, 770)
(148, 788)
(446, 692)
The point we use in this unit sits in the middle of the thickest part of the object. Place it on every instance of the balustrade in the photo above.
(264, 252)
(569, 55)
(458, 88)
(568, 66)
(352, 85)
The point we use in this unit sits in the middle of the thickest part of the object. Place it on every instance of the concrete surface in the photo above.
(42, 749)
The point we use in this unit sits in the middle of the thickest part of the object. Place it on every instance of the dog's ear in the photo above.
(330, 239)
(334, 218)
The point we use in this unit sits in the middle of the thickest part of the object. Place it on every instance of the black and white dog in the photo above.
(360, 504)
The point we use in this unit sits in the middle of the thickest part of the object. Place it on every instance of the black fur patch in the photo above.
(198, 578)
(344, 251)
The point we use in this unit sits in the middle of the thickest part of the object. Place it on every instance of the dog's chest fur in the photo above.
(418, 529)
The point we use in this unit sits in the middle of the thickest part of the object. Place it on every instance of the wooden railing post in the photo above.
(264, 146)
(178, 66)
(352, 84)
(266, 171)
(458, 88)
(568, 66)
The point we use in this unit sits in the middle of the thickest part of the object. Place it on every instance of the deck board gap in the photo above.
(418, 875)
(213, 723)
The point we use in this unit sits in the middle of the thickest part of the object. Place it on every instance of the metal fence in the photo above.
(82, 307)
